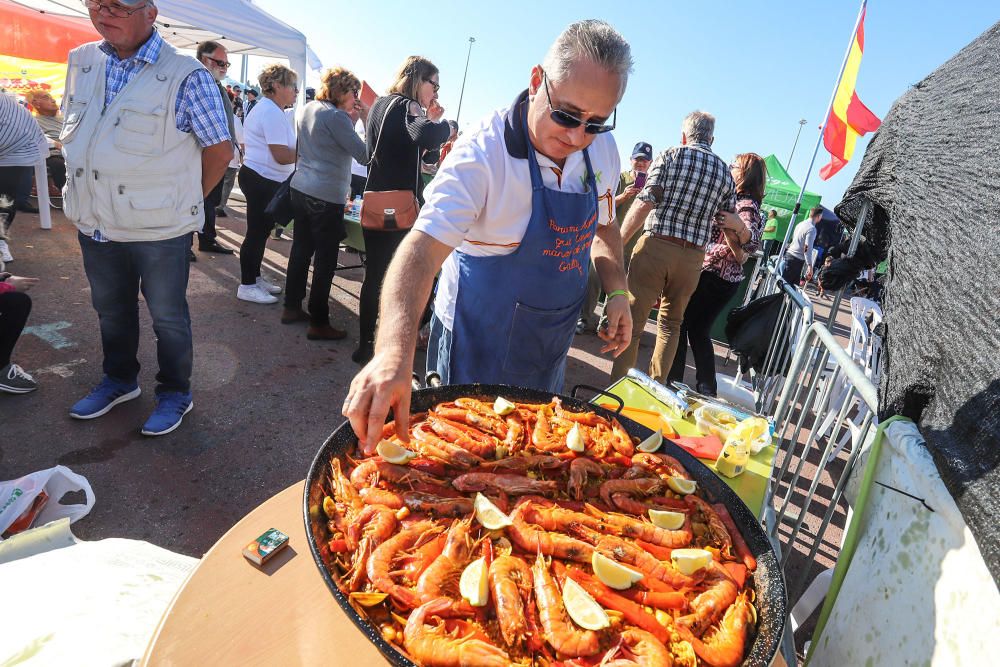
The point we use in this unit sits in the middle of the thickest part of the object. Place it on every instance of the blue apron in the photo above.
(516, 314)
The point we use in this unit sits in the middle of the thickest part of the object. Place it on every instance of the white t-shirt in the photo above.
(480, 200)
(803, 239)
(268, 125)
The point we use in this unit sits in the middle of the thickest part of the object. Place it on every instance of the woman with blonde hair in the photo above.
(268, 162)
(327, 142)
(401, 126)
(735, 238)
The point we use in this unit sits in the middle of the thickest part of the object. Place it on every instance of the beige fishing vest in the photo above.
(130, 173)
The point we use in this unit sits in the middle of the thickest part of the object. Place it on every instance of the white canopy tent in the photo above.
(239, 25)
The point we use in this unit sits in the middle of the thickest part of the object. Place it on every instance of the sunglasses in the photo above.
(115, 11)
(565, 119)
(435, 84)
(221, 63)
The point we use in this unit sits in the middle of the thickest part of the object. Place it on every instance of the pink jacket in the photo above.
(6, 287)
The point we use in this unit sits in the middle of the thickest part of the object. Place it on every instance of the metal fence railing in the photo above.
(794, 317)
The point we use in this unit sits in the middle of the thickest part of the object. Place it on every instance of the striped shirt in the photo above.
(689, 185)
(20, 136)
(198, 106)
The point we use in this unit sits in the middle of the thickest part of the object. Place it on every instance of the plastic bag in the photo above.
(19, 495)
(756, 432)
(715, 420)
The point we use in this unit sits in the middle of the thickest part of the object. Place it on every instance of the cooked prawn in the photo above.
(431, 645)
(441, 577)
(580, 470)
(709, 606)
(704, 513)
(370, 471)
(514, 485)
(510, 583)
(379, 566)
(533, 539)
(559, 631)
(630, 487)
(724, 647)
(645, 649)
(640, 529)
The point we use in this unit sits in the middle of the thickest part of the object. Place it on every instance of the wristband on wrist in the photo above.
(619, 292)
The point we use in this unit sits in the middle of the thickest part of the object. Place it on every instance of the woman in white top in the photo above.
(269, 161)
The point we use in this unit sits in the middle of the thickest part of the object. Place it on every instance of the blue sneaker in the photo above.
(171, 406)
(103, 397)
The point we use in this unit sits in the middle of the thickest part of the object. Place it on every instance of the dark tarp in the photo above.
(932, 173)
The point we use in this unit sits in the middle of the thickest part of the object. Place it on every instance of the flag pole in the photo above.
(822, 130)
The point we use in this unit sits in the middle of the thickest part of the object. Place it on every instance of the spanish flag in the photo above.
(849, 118)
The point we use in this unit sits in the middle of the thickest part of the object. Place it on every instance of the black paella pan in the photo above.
(768, 581)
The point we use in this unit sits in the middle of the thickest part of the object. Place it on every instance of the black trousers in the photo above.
(207, 234)
(379, 249)
(14, 310)
(57, 170)
(793, 270)
(258, 192)
(319, 228)
(708, 300)
(11, 181)
(357, 186)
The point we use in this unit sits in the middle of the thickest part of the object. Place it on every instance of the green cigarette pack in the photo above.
(264, 547)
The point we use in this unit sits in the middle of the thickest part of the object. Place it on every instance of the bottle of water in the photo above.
(356, 207)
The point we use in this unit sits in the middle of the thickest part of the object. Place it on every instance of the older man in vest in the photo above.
(146, 139)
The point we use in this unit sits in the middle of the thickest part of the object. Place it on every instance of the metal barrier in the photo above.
(794, 317)
(820, 369)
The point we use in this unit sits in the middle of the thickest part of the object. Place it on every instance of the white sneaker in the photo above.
(5, 255)
(268, 286)
(254, 294)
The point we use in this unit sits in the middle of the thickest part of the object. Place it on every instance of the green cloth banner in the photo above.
(781, 194)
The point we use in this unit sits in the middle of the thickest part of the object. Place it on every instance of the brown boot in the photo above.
(293, 315)
(324, 332)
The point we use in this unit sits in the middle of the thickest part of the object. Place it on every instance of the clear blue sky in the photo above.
(759, 67)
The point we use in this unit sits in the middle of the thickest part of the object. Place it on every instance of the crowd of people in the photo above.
(501, 282)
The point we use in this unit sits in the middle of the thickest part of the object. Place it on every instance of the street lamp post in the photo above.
(464, 77)
(801, 125)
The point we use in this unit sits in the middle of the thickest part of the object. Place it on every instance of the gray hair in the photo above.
(699, 126)
(591, 39)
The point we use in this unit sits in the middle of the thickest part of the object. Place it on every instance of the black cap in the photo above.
(643, 150)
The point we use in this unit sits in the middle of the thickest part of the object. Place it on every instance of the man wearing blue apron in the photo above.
(513, 218)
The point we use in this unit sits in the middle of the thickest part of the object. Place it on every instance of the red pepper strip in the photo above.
(633, 613)
(656, 599)
(672, 503)
(488, 553)
(337, 546)
(739, 544)
(737, 571)
(663, 553)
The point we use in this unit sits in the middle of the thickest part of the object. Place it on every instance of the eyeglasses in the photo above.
(115, 11)
(221, 63)
(565, 119)
(437, 86)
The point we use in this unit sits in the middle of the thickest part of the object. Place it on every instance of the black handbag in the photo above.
(280, 206)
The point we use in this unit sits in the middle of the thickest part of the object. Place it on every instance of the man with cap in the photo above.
(642, 155)
(137, 178)
(514, 215)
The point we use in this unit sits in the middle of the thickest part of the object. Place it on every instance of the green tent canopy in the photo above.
(781, 194)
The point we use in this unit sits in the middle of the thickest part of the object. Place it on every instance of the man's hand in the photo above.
(21, 284)
(382, 384)
(628, 193)
(618, 333)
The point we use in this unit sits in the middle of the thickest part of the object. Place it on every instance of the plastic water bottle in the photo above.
(356, 207)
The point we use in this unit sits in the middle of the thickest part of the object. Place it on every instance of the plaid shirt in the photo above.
(198, 106)
(689, 185)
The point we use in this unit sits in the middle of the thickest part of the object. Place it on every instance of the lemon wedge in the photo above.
(582, 608)
(689, 561)
(667, 520)
(682, 486)
(489, 515)
(574, 439)
(652, 443)
(613, 574)
(503, 407)
(393, 452)
(474, 584)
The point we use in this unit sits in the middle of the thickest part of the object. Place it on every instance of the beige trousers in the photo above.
(664, 270)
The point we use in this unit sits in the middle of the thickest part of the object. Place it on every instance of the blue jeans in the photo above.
(117, 272)
(439, 350)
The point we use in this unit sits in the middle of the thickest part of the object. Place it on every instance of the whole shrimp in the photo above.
(372, 495)
(704, 513)
(379, 566)
(466, 437)
(448, 452)
(726, 646)
(630, 487)
(510, 584)
(514, 485)
(646, 651)
(375, 522)
(441, 577)
(640, 529)
(370, 471)
(440, 506)
(628, 553)
(559, 631)
(580, 470)
(533, 539)
(707, 607)
(432, 646)
(522, 464)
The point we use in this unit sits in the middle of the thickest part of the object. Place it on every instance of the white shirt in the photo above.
(238, 126)
(480, 200)
(802, 239)
(268, 125)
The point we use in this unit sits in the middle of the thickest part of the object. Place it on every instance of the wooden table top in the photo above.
(229, 611)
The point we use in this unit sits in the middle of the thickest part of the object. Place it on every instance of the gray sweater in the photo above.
(326, 143)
